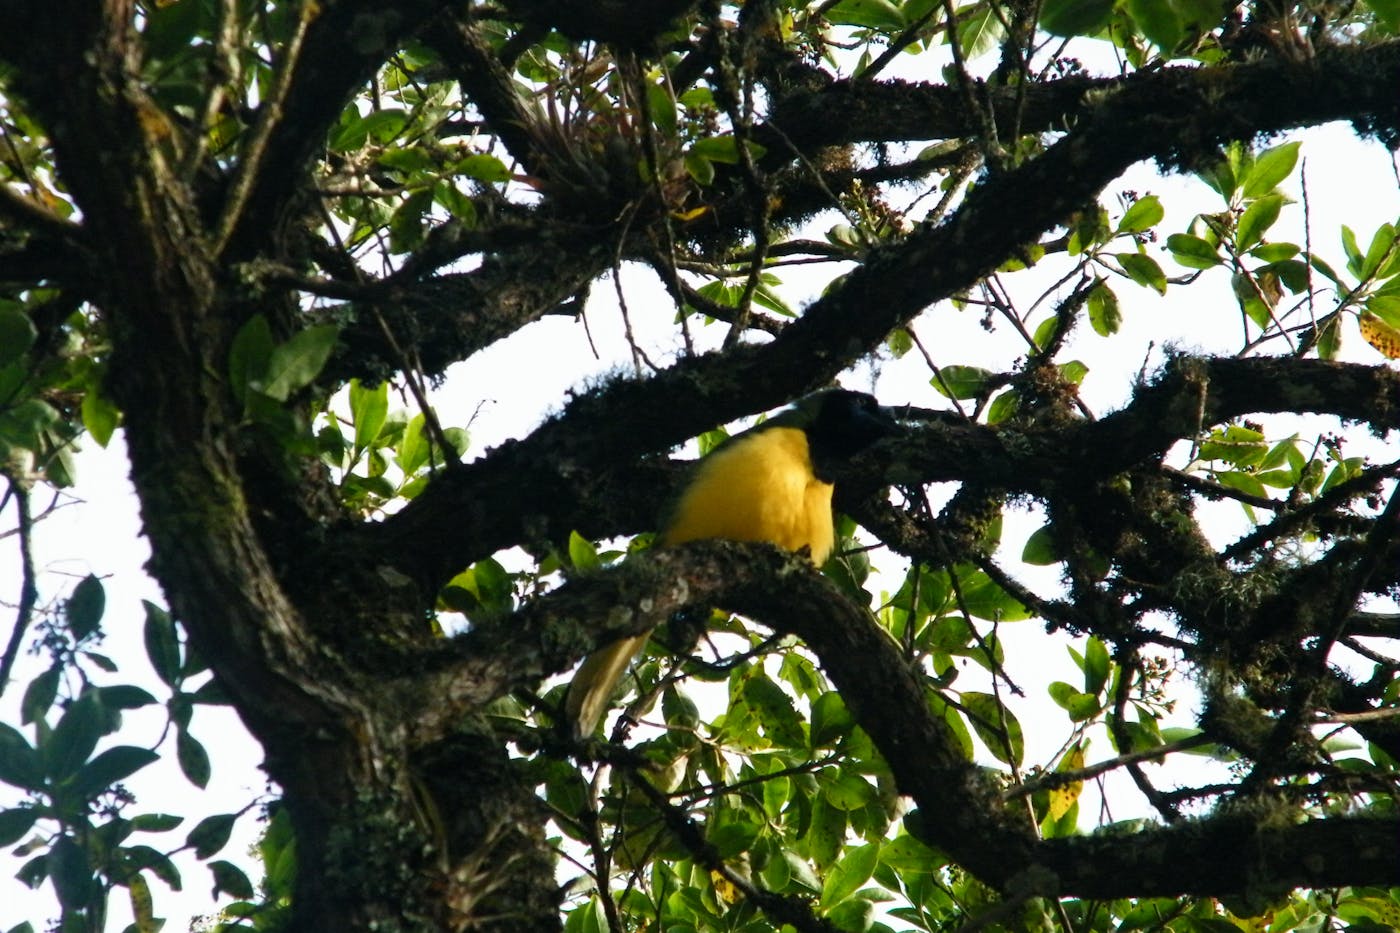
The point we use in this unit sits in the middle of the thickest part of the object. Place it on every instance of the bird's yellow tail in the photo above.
(593, 684)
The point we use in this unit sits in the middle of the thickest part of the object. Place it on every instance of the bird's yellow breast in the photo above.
(760, 488)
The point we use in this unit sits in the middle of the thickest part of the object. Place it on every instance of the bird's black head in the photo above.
(840, 424)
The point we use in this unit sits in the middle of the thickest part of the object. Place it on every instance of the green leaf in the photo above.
(1380, 251)
(1003, 406)
(1387, 15)
(1040, 548)
(978, 32)
(145, 858)
(1075, 17)
(775, 711)
(582, 554)
(986, 712)
(1083, 707)
(229, 879)
(954, 719)
(1270, 168)
(1143, 269)
(1235, 445)
(249, 356)
(848, 875)
(1192, 251)
(1096, 665)
(19, 763)
(831, 720)
(871, 14)
(733, 838)
(661, 106)
(295, 364)
(40, 694)
(24, 424)
(825, 832)
(1158, 22)
(14, 823)
(71, 874)
(413, 446)
(74, 738)
(211, 834)
(1104, 314)
(1256, 219)
(17, 335)
(124, 696)
(961, 382)
(379, 126)
(1354, 257)
(155, 822)
(1274, 252)
(455, 202)
(483, 168)
(1074, 372)
(848, 791)
(1145, 212)
(408, 223)
(83, 611)
(699, 168)
(162, 644)
(193, 759)
(368, 410)
(985, 599)
(724, 149)
(100, 416)
(113, 765)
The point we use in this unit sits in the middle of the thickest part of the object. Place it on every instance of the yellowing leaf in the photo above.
(141, 906)
(1380, 335)
(1063, 797)
(725, 888)
(691, 214)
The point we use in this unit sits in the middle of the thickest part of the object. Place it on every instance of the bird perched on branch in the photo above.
(771, 483)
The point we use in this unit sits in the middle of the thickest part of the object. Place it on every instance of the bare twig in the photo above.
(29, 590)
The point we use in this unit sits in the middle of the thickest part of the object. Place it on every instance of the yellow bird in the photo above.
(771, 483)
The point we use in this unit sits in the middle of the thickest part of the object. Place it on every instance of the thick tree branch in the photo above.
(1224, 855)
(961, 816)
(854, 111)
(780, 590)
(572, 462)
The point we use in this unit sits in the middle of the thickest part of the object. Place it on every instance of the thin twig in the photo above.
(1053, 779)
(29, 590)
(251, 166)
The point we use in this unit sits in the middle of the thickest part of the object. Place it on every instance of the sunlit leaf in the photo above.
(961, 382)
(1146, 212)
(1192, 251)
(1270, 168)
(100, 416)
(1256, 219)
(1063, 797)
(1104, 314)
(1143, 269)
